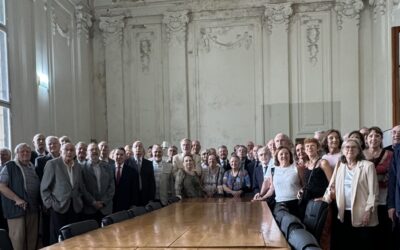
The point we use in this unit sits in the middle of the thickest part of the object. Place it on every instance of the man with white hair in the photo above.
(5, 156)
(53, 147)
(99, 182)
(63, 191)
(177, 160)
(145, 172)
(39, 144)
(19, 186)
(163, 176)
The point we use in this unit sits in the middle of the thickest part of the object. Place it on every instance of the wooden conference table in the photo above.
(192, 224)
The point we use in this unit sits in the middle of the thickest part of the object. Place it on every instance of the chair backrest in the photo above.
(279, 214)
(77, 228)
(116, 217)
(301, 239)
(136, 211)
(289, 223)
(173, 199)
(153, 205)
(315, 217)
(5, 242)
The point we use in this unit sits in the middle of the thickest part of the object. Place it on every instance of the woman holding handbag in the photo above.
(354, 187)
(316, 175)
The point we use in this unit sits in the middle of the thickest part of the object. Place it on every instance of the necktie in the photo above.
(118, 173)
(139, 165)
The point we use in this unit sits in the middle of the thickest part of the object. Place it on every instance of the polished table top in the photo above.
(197, 223)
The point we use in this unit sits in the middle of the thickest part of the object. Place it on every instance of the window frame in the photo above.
(6, 104)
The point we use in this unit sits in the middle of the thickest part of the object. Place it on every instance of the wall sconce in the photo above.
(43, 80)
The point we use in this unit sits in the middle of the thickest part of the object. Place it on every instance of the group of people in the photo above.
(57, 182)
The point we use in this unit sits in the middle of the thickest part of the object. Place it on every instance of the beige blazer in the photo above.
(166, 184)
(364, 189)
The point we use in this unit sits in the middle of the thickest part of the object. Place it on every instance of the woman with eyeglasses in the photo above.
(354, 187)
(381, 159)
(236, 181)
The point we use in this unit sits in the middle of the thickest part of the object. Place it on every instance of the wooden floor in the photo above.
(191, 224)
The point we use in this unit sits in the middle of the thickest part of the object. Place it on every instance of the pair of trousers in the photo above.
(23, 231)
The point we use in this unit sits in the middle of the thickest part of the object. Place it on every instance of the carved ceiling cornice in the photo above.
(158, 7)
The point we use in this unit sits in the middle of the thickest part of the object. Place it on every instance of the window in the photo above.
(5, 133)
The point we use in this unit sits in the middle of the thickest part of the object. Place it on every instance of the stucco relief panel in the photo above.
(226, 37)
(60, 24)
(312, 99)
(227, 71)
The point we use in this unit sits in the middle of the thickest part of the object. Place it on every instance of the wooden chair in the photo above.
(74, 229)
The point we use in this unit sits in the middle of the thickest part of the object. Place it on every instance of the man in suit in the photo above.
(53, 146)
(393, 197)
(223, 157)
(99, 182)
(126, 183)
(260, 169)
(177, 160)
(163, 176)
(62, 190)
(40, 147)
(245, 163)
(144, 168)
(105, 152)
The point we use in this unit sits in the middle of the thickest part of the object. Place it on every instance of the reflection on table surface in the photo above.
(190, 224)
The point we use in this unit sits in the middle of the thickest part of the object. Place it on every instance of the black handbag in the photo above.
(305, 196)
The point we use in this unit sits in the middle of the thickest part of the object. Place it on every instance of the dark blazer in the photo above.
(35, 155)
(57, 191)
(249, 167)
(127, 190)
(107, 187)
(227, 165)
(258, 177)
(148, 190)
(40, 163)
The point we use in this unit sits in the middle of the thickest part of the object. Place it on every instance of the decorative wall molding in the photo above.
(313, 7)
(175, 26)
(211, 36)
(112, 28)
(63, 31)
(83, 21)
(278, 14)
(145, 40)
(349, 9)
(379, 7)
(227, 14)
(313, 36)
